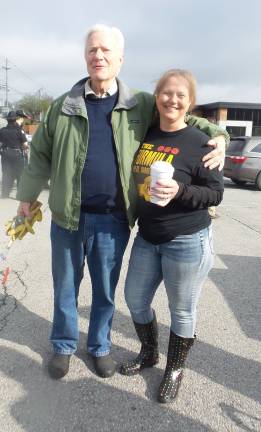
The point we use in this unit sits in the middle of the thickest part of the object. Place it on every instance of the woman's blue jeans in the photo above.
(102, 238)
(183, 264)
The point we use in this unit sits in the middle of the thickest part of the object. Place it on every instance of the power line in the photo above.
(5, 86)
(18, 91)
(26, 75)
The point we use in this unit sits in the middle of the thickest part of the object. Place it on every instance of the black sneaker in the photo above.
(58, 366)
(104, 366)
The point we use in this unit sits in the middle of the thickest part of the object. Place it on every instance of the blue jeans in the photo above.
(102, 238)
(183, 264)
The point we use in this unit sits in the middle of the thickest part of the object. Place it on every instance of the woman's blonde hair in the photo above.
(179, 73)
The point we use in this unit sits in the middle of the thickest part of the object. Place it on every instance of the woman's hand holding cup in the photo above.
(163, 187)
(163, 192)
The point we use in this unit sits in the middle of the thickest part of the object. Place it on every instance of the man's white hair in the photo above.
(112, 30)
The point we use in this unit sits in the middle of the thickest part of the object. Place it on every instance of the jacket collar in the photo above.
(74, 103)
(127, 99)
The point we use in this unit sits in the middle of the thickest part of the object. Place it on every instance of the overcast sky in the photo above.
(219, 41)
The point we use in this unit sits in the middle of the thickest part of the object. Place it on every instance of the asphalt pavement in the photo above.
(221, 388)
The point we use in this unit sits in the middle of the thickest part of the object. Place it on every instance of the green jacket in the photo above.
(59, 147)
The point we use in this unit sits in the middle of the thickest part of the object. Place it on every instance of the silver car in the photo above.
(243, 160)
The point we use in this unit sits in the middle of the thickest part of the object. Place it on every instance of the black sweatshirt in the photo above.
(199, 187)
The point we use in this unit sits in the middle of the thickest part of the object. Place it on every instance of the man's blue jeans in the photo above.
(183, 264)
(102, 238)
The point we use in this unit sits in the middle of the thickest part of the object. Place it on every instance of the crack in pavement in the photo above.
(242, 223)
(245, 224)
(8, 302)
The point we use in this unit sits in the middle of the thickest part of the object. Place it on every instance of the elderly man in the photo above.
(86, 146)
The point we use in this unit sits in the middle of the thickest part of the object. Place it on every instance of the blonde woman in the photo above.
(174, 241)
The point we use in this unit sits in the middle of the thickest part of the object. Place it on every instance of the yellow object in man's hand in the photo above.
(19, 226)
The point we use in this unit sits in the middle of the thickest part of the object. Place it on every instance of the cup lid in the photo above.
(162, 166)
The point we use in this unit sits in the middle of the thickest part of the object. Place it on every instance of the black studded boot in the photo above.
(149, 353)
(177, 354)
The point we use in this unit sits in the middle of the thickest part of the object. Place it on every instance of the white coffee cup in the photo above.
(160, 170)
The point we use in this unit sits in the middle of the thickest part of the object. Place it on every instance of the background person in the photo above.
(14, 143)
(20, 118)
(92, 197)
(174, 242)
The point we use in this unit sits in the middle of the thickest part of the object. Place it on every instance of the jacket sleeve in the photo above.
(209, 128)
(208, 191)
(37, 172)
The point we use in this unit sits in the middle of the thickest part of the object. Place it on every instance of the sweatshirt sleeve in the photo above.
(209, 128)
(208, 191)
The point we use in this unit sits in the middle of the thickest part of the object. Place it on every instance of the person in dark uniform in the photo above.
(20, 118)
(14, 143)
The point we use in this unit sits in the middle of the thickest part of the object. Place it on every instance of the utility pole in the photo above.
(6, 68)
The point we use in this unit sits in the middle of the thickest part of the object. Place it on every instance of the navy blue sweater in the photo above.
(100, 182)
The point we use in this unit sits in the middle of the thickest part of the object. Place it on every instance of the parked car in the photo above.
(243, 160)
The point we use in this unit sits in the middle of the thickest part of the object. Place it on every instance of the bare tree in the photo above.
(34, 105)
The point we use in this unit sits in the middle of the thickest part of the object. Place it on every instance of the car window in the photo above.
(236, 145)
(257, 149)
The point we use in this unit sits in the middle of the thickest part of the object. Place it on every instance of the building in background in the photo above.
(3, 122)
(239, 119)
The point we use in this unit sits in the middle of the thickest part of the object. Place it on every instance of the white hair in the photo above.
(112, 30)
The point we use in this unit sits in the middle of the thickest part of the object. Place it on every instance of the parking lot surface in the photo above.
(221, 387)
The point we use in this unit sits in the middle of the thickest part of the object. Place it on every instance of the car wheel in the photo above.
(238, 182)
(258, 181)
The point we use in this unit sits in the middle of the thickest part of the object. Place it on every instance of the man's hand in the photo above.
(24, 209)
(216, 158)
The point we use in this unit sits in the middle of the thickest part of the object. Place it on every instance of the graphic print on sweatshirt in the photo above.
(148, 154)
